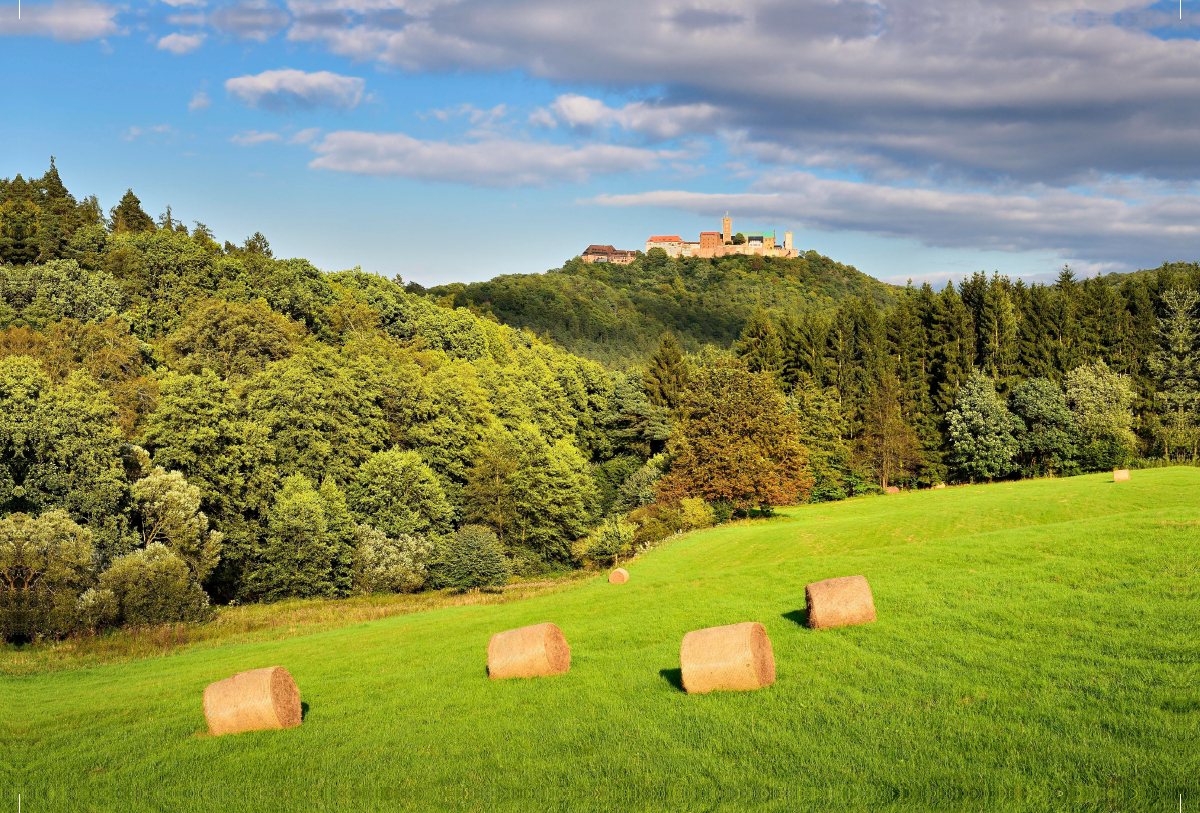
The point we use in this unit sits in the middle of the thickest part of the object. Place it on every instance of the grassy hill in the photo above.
(1034, 651)
(616, 314)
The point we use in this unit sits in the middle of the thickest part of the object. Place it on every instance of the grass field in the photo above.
(1036, 649)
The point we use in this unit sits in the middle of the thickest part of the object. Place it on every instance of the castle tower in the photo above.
(726, 229)
(787, 240)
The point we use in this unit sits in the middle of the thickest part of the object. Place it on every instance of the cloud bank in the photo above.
(282, 90)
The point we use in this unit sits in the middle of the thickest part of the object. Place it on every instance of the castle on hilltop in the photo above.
(710, 244)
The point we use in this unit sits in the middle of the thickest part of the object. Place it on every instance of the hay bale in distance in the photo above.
(618, 576)
(1120, 475)
(893, 490)
(839, 602)
(736, 657)
(256, 700)
(940, 485)
(536, 651)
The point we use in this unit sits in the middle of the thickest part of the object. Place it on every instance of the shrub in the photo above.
(611, 540)
(655, 523)
(154, 586)
(696, 513)
(390, 565)
(45, 563)
(96, 609)
(641, 487)
(722, 512)
(471, 557)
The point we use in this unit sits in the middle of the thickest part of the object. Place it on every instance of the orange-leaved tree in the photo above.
(735, 442)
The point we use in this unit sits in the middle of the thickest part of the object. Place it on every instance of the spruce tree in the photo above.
(759, 346)
(667, 374)
(129, 216)
(1177, 368)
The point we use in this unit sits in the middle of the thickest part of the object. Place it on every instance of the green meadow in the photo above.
(1035, 649)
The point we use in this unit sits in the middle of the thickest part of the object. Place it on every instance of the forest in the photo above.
(185, 423)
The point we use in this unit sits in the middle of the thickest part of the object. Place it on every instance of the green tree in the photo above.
(759, 346)
(400, 495)
(736, 443)
(129, 216)
(301, 553)
(888, 445)
(154, 586)
(667, 374)
(982, 431)
(233, 340)
(45, 564)
(1101, 402)
(472, 557)
(169, 510)
(1177, 370)
(386, 565)
(1048, 442)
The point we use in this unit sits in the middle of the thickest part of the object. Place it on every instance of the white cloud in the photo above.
(179, 3)
(306, 136)
(195, 19)
(135, 131)
(250, 20)
(253, 137)
(1142, 224)
(283, 89)
(180, 44)
(66, 20)
(661, 121)
(199, 102)
(494, 163)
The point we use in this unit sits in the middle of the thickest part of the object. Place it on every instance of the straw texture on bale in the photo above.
(737, 657)
(537, 651)
(839, 602)
(1120, 475)
(252, 701)
(618, 576)
(893, 490)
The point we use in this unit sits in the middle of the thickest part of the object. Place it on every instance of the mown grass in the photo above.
(1036, 649)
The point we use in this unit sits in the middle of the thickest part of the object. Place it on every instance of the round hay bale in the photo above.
(893, 490)
(839, 602)
(618, 576)
(737, 657)
(940, 485)
(537, 651)
(252, 701)
(1120, 475)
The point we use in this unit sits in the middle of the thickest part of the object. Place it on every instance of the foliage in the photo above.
(1101, 401)
(1048, 441)
(610, 540)
(1177, 370)
(399, 494)
(45, 563)
(471, 557)
(153, 586)
(695, 514)
(384, 564)
(170, 513)
(982, 430)
(736, 442)
(667, 374)
(309, 543)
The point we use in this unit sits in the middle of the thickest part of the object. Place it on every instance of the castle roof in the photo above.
(669, 238)
(595, 249)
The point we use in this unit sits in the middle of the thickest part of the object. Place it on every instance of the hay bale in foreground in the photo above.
(536, 651)
(252, 701)
(618, 576)
(1120, 475)
(893, 489)
(736, 657)
(839, 602)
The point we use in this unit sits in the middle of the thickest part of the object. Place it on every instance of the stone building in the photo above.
(608, 254)
(720, 244)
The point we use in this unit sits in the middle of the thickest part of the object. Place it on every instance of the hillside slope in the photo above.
(616, 314)
(1029, 652)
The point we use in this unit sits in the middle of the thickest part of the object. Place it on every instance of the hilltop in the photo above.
(616, 313)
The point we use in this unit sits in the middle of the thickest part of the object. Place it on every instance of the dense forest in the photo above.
(186, 422)
(616, 314)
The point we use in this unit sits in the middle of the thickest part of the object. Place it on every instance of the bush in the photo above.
(45, 563)
(611, 540)
(641, 487)
(154, 586)
(386, 565)
(722, 512)
(696, 513)
(96, 609)
(655, 523)
(471, 557)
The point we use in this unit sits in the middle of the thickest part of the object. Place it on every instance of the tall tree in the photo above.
(759, 346)
(128, 215)
(982, 431)
(667, 374)
(1177, 368)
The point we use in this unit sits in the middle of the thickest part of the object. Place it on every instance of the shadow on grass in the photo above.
(799, 617)
(303, 710)
(673, 676)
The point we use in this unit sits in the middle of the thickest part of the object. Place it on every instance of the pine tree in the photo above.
(759, 346)
(129, 216)
(997, 329)
(1177, 368)
(667, 374)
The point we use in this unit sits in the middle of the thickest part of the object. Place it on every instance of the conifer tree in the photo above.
(759, 346)
(129, 216)
(667, 374)
(1177, 368)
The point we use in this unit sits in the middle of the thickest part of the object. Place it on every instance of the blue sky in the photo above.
(459, 139)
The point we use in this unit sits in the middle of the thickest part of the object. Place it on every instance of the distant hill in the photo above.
(616, 314)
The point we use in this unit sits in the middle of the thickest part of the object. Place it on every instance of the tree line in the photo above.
(186, 423)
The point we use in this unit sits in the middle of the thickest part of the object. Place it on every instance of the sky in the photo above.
(455, 140)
